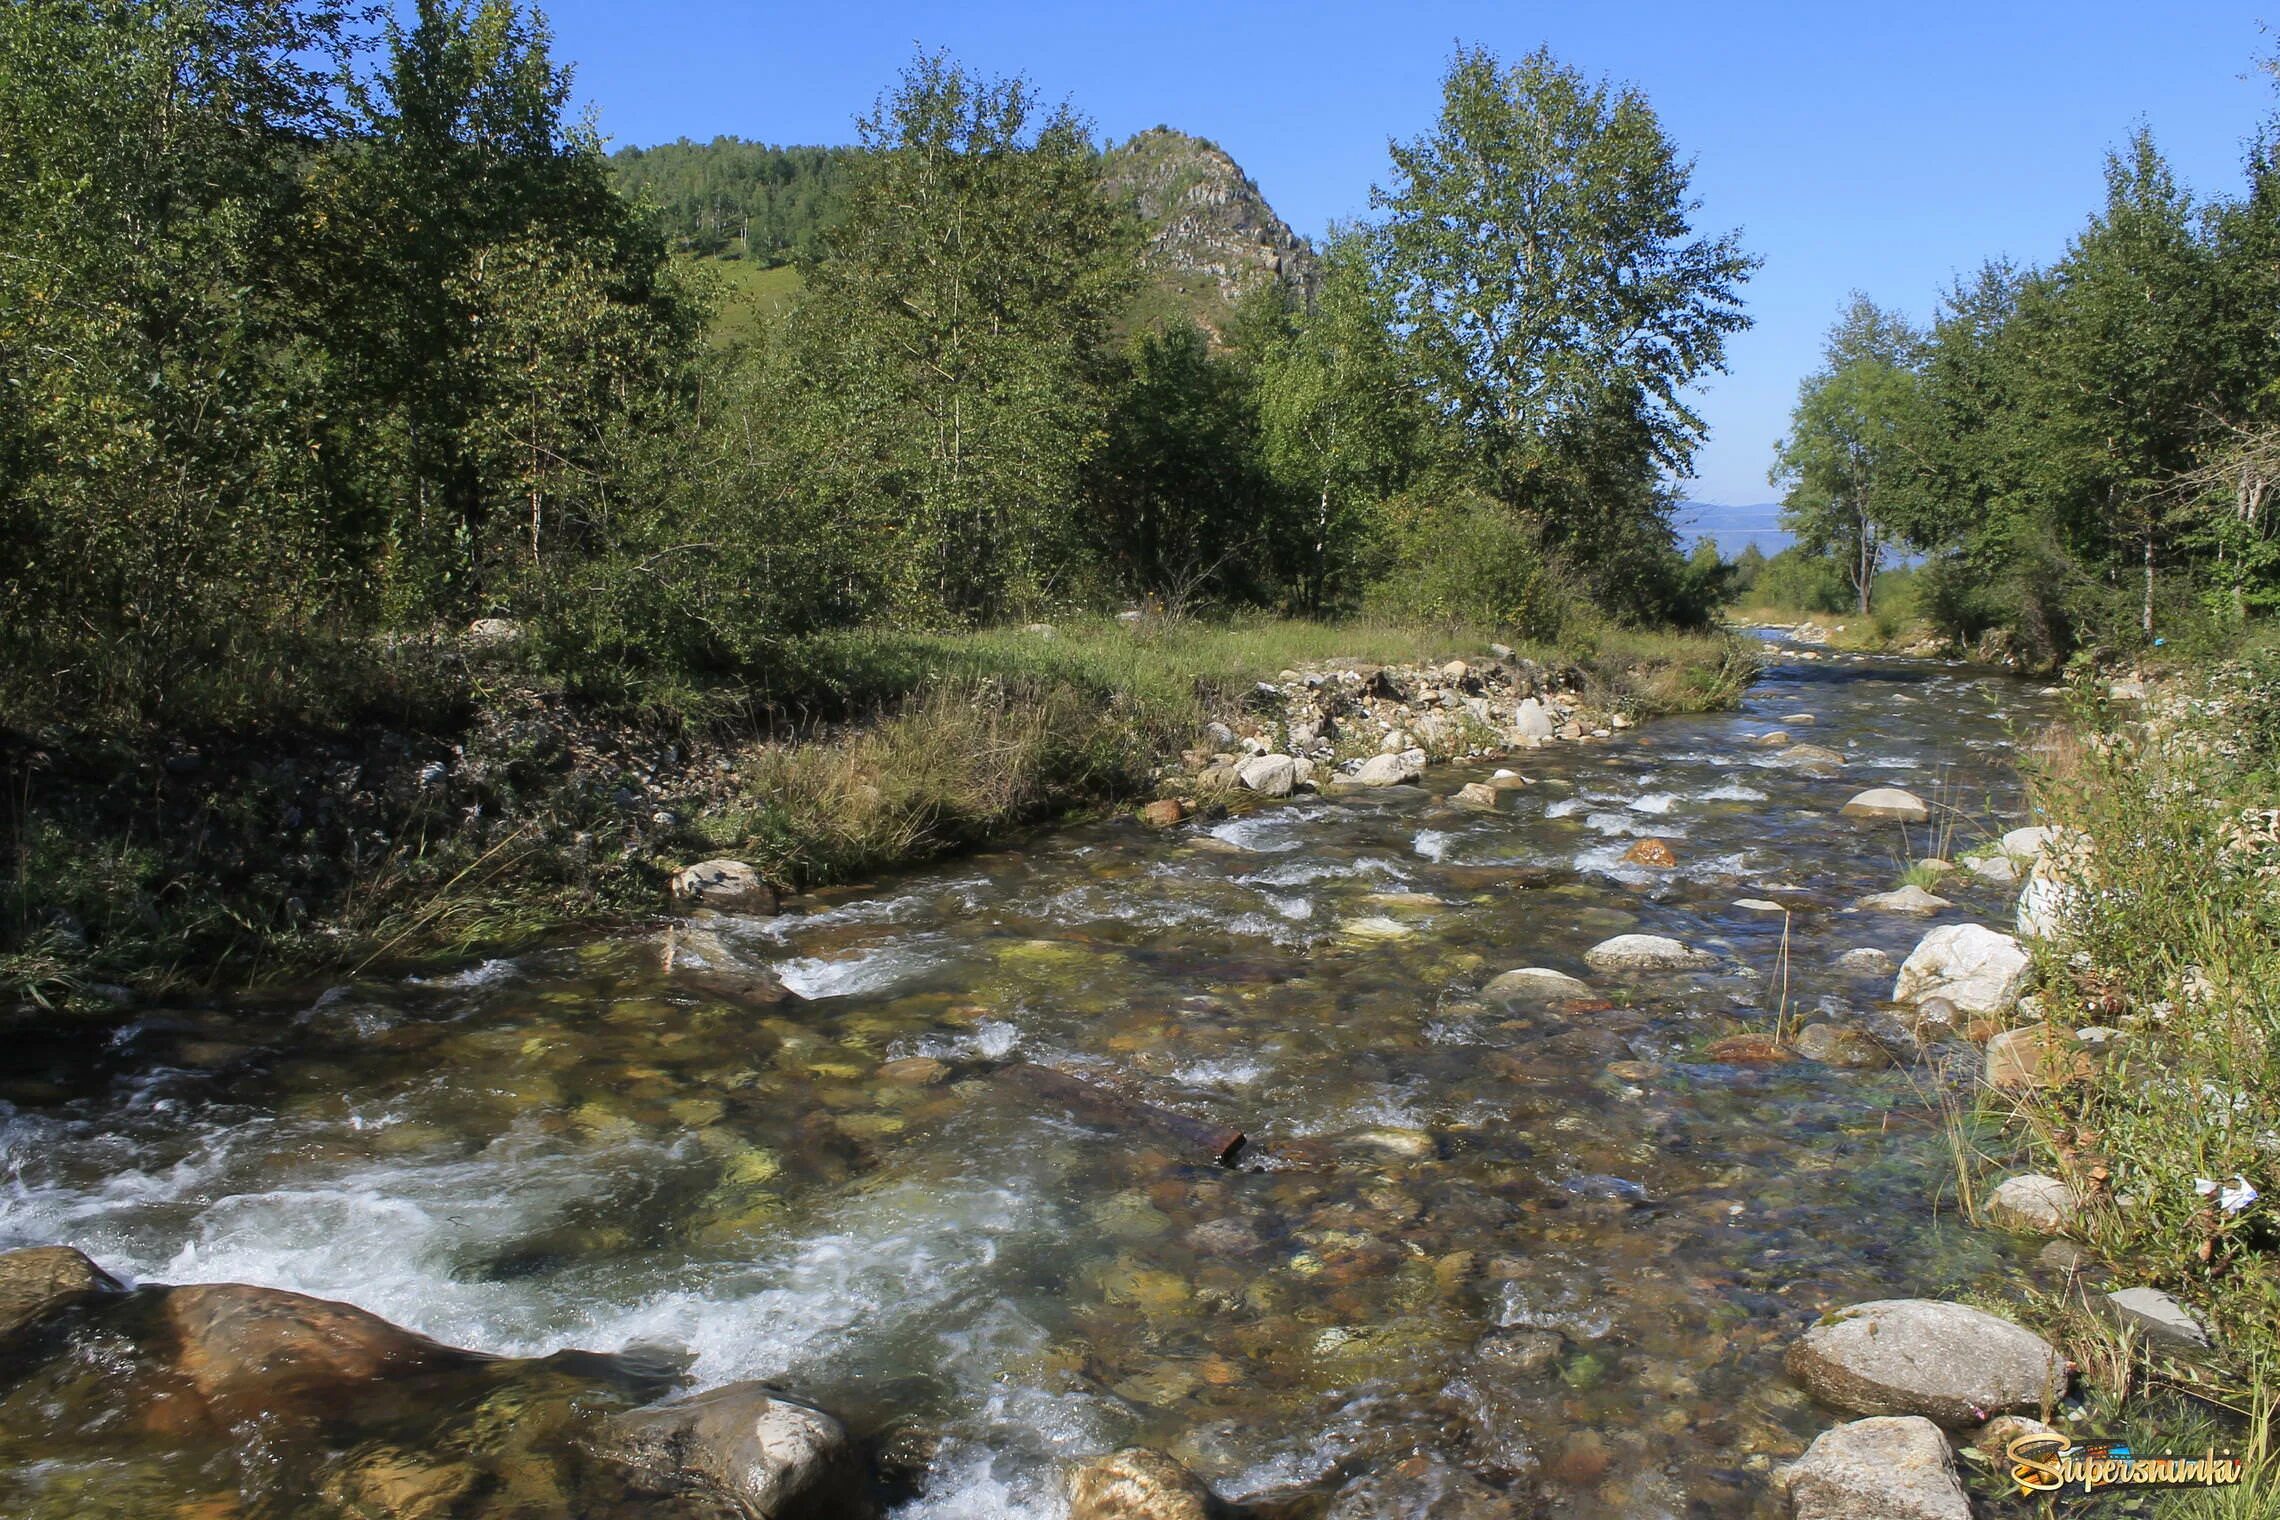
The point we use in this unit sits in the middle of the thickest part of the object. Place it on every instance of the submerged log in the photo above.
(1098, 1105)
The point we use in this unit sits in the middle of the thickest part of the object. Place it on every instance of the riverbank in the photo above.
(2165, 902)
(494, 805)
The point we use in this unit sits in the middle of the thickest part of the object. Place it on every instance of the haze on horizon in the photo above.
(1883, 152)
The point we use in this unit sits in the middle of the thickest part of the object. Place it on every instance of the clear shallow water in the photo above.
(573, 1148)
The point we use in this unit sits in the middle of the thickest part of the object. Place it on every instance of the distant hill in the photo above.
(1732, 527)
(744, 207)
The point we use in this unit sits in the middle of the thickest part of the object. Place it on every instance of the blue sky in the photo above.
(1886, 148)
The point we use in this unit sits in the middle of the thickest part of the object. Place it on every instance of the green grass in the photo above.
(857, 752)
(749, 295)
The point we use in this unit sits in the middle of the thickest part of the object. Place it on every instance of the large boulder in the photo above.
(1973, 967)
(768, 1457)
(1269, 775)
(1391, 770)
(707, 962)
(728, 886)
(44, 1280)
(1646, 952)
(1887, 803)
(1137, 1483)
(255, 1351)
(1949, 1363)
(1890, 1467)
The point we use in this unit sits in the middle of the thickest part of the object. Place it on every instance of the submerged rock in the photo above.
(1973, 967)
(1887, 803)
(1910, 899)
(1138, 1483)
(767, 1456)
(1834, 1045)
(1949, 1363)
(1537, 984)
(1810, 755)
(44, 1280)
(1885, 1468)
(1646, 952)
(1867, 961)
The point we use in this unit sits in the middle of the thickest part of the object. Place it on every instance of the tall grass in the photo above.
(2175, 937)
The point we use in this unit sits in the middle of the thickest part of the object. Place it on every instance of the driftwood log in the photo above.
(1096, 1104)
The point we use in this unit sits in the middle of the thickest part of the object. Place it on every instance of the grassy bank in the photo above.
(2173, 937)
(500, 805)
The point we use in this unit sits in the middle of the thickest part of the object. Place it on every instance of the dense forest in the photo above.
(738, 199)
(325, 345)
(2082, 453)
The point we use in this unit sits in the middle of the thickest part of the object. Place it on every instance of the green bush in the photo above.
(1462, 558)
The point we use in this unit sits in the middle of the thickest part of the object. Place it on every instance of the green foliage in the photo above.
(1466, 558)
(948, 380)
(1552, 300)
(1850, 459)
(745, 201)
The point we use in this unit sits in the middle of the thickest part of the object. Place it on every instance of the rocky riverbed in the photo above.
(1485, 1140)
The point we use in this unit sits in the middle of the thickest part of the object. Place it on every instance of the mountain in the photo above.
(1733, 527)
(748, 207)
(1212, 237)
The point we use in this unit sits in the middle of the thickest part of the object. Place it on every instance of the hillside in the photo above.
(744, 207)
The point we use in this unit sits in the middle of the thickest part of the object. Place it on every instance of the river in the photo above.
(1555, 1249)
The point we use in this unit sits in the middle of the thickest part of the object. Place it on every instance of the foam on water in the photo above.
(1432, 844)
(817, 976)
(1730, 791)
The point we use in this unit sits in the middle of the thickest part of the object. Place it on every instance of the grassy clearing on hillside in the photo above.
(2176, 939)
(505, 806)
(749, 295)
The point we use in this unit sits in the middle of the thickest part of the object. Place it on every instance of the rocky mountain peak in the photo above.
(1210, 230)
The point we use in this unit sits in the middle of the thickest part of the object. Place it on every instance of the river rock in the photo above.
(1973, 967)
(1425, 1487)
(401, 1485)
(2034, 1055)
(728, 886)
(913, 1071)
(1656, 853)
(1890, 1467)
(1482, 797)
(1998, 869)
(1834, 1045)
(1164, 812)
(1809, 755)
(1537, 984)
(2159, 1316)
(2028, 844)
(252, 1351)
(1867, 961)
(1889, 803)
(769, 1457)
(2033, 1204)
(706, 961)
(1951, 1364)
(1269, 775)
(1646, 952)
(2047, 901)
(43, 1280)
(1777, 739)
(1531, 720)
(1911, 899)
(1391, 770)
(1138, 1483)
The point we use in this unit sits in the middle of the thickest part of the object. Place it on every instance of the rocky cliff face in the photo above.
(1212, 235)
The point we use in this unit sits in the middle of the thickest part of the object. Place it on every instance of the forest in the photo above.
(2077, 458)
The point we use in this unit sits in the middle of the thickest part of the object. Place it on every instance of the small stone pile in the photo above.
(1381, 725)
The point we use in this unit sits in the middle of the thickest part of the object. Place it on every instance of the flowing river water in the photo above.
(1556, 1248)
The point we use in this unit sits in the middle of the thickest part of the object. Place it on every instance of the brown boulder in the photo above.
(248, 1350)
(767, 1456)
(41, 1280)
(1652, 852)
(1164, 813)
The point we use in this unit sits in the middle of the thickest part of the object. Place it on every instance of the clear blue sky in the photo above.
(1885, 148)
